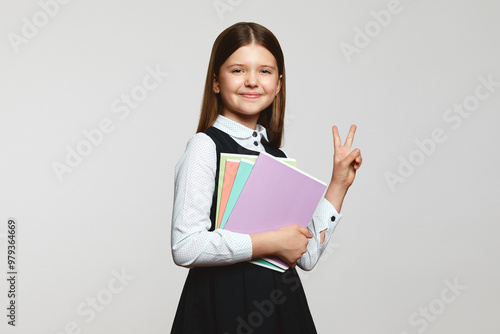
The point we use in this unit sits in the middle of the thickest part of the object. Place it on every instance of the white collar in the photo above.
(237, 130)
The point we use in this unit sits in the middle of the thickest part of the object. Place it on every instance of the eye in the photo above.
(266, 71)
(237, 70)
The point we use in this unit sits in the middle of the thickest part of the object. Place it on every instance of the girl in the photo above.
(242, 112)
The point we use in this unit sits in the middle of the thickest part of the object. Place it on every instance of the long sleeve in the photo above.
(325, 217)
(192, 243)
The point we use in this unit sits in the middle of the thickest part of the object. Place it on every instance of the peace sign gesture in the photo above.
(345, 165)
(345, 162)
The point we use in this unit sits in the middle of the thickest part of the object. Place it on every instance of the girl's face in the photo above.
(248, 82)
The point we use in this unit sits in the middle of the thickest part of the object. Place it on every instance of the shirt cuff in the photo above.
(325, 216)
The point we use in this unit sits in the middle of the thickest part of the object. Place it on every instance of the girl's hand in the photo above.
(291, 243)
(288, 243)
(345, 165)
(345, 162)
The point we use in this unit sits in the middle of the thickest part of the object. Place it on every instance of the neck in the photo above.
(248, 121)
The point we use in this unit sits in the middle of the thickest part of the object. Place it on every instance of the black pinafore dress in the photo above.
(242, 298)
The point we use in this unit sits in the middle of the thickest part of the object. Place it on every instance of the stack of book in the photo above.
(263, 193)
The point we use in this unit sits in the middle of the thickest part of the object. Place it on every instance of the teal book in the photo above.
(242, 174)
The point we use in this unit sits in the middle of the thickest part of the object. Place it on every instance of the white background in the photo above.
(395, 248)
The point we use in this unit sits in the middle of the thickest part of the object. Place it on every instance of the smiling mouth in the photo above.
(251, 95)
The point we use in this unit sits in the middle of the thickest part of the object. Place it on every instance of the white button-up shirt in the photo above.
(193, 245)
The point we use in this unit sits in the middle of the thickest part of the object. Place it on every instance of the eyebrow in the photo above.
(243, 65)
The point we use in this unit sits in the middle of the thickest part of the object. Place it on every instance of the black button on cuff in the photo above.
(255, 143)
(333, 218)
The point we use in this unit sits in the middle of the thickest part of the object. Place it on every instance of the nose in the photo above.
(251, 79)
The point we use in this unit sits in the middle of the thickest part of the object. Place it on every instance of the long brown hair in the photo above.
(232, 38)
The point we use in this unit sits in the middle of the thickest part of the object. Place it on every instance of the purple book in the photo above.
(275, 195)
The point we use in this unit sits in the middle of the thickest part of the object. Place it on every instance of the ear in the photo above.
(279, 85)
(215, 85)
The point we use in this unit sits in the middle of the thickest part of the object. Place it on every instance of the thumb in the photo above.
(352, 156)
(305, 232)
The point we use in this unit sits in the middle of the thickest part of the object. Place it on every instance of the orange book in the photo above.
(227, 185)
